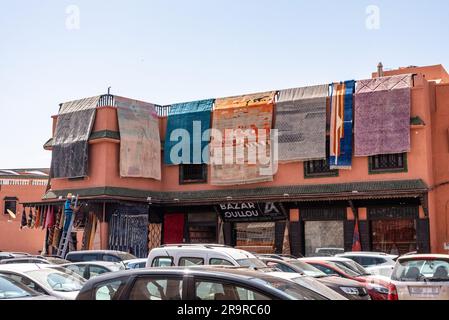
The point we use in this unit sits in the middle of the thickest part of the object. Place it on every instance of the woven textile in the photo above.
(341, 125)
(70, 143)
(140, 144)
(233, 159)
(193, 118)
(382, 115)
(301, 123)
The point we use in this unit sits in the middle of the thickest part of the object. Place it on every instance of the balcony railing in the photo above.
(109, 100)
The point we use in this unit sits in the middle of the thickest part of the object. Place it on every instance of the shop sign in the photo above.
(251, 211)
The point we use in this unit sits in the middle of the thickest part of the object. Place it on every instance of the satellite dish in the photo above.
(12, 214)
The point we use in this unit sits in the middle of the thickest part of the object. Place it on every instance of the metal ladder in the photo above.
(66, 238)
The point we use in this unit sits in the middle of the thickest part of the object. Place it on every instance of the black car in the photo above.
(99, 255)
(350, 289)
(195, 283)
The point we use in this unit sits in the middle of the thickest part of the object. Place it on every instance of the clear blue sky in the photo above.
(172, 51)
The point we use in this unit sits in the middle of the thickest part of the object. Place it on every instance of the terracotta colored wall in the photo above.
(11, 237)
(440, 130)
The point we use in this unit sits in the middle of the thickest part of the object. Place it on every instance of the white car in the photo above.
(371, 259)
(377, 263)
(309, 283)
(421, 277)
(51, 280)
(201, 254)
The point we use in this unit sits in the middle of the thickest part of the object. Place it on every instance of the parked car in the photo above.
(99, 255)
(310, 283)
(11, 255)
(378, 287)
(328, 251)
(197, 283)
(56, 260)
(92, 269)
(135, 263)
(46, 279)
(374, 262)
(278, 256)
(201, 254)
(351, 289)
(421, 277)
(27, 259)
(10, 289)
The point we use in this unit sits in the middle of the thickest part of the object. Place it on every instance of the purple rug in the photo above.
(382, 116)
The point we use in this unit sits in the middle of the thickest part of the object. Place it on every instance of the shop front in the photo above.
(255, 227)
(319, 229)
(398, 229)
(191, 225)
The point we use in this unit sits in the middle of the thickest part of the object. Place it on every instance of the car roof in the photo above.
(287, 275)
(229, 251)
(27, 258)
(341, 259)
(97, 251)
(368, 254)
(219, 272)
(424, 256)
(99, 263)
(25, 267)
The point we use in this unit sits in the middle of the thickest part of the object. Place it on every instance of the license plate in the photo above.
(431, 291)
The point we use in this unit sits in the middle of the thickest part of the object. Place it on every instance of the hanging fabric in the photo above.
(129, 233)
(33, 218)
(230, 156)
(194, 119)
(382, 115)
(70, 152)
(140, 144)
(341, 125)
(286, 241)
(301, 123)
(36, 218)
(23, 222)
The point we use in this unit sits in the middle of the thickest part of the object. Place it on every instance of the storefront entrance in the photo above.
(322, 235)
(256, 237)
(394, 236)
(202, 227)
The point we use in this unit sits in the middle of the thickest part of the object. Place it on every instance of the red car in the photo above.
(378, 287)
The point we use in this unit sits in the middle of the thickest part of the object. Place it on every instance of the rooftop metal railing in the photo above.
(109, 100)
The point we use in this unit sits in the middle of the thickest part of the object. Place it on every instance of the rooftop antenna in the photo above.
(109, 90)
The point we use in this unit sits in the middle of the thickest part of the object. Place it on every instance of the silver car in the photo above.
(421, 277)
(50, 280)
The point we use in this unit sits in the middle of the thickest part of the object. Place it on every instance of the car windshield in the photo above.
(354, 266)
(422, 270)
(292, 289)
(10, 289)
(308, 269)
(57, 279)
(345, 269)
(251, 262)
(126, 256)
